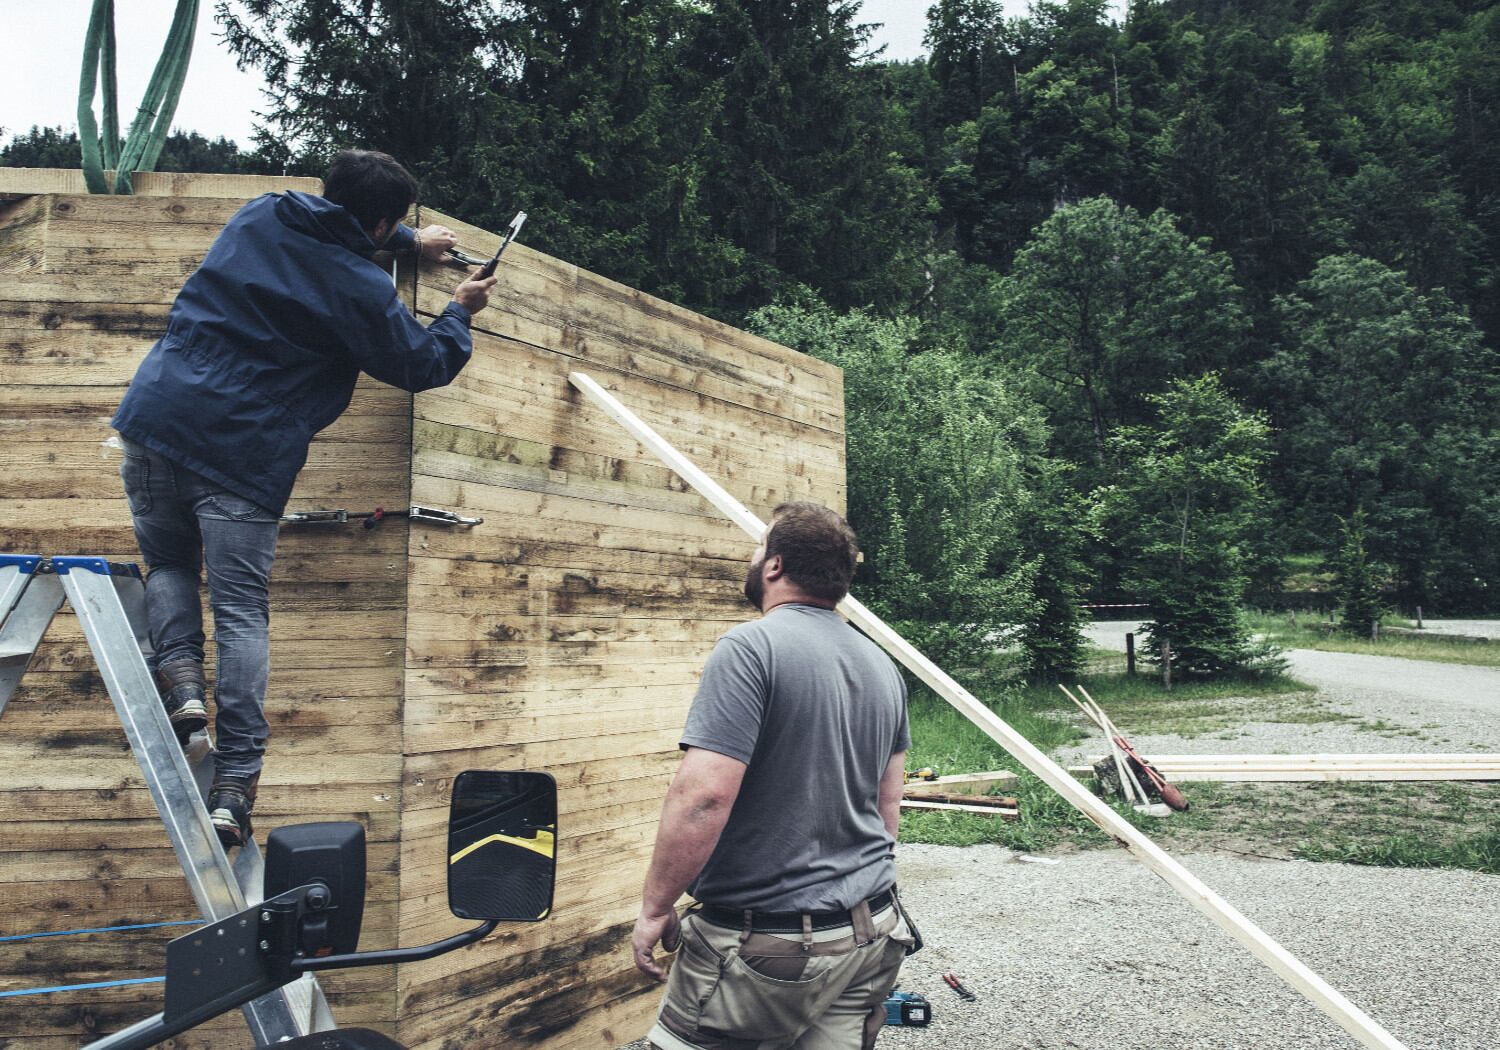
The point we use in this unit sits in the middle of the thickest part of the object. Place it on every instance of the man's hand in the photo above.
(474, 295)
(434, 241)
(651, 930)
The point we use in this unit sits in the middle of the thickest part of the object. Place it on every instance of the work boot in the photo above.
(183, 692)
(230, 800)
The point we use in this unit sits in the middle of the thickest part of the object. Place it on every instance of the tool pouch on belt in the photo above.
(916, 934)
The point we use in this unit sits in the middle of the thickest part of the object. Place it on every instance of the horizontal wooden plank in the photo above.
(91, 401)
(20, 181)
(23, 236)
(437, 681)
(125, 797)
(530, 398)
(429, 777)
(89, 470)
(487, 588)
(105, 864)
(64, 290)
(106, 774)
(536, 518)
(32, 312)
(597, 306)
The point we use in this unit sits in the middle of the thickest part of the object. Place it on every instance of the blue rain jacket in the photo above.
(265, 342)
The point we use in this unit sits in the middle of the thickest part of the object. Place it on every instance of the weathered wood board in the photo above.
(82, 299)
(567, 633)
(564, 634)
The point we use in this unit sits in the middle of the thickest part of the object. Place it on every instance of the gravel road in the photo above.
(1472, 628)
(1374, 704)
(1095, 952)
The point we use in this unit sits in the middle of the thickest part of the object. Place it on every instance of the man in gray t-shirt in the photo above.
(782, 819)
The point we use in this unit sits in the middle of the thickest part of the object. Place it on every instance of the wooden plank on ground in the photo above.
(1312, 768)
(998, 812)
(963, 783)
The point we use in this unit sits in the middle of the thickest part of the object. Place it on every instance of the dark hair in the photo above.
(818, 549)
(371, 186)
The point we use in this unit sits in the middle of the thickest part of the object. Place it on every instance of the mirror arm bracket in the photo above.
(307, 964)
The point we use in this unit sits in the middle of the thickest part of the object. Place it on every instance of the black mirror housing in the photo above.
(502, 845)
(331, 853)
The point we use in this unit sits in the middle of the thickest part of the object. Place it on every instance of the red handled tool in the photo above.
(952, 981)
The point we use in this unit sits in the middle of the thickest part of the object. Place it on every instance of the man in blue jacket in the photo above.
(262, 350)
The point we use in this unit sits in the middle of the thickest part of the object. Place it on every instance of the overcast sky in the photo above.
(39, 81)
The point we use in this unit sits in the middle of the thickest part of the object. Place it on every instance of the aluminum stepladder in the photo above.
(109, 599)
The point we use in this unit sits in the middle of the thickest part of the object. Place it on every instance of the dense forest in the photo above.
(1193, 308)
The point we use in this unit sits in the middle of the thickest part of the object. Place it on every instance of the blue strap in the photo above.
(96, 929)
(81, 987)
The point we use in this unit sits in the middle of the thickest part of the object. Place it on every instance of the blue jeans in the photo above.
(183, 520)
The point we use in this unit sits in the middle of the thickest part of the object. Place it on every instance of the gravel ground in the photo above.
(1094, 952)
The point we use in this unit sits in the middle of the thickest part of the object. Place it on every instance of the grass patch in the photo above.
(1140, 704)
(1437, 825)
(1476, 851)
(949, 743)
(1306, 634)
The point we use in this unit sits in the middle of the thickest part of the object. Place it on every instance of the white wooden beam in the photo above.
(1003, 812)
(1370, 767)
(1318, 991)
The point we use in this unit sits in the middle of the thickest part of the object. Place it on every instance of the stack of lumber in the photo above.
(962, 783)
(1322, 767)
(963, 793)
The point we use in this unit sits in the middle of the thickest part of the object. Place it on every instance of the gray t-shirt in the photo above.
(815, 710)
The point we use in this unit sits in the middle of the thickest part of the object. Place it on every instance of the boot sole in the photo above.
(228, 829)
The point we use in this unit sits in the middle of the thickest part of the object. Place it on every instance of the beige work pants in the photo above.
(729, 990)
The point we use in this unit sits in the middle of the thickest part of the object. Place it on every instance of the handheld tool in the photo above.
(909, 1009)
(488, 270)
(487, 266)
(1126, 758)
(952, 981)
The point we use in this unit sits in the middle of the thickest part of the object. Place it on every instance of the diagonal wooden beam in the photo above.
(1286, 966)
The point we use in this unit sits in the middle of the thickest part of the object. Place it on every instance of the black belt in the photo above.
(789, 921)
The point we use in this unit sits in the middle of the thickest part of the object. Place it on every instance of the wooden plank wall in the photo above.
(85, 283)
(564, 634)
(568, 631)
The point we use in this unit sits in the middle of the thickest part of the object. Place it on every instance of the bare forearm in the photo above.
(891, 814)
(892, 787)
(691, 823)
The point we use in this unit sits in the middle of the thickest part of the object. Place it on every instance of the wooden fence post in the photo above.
(1130, 653)
(1166, 664)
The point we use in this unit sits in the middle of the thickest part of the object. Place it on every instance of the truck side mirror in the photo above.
(502, 845)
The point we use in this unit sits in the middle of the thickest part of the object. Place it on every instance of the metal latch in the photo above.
(441, 517)
(369, 519)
